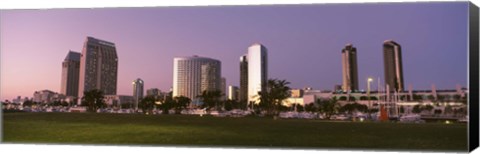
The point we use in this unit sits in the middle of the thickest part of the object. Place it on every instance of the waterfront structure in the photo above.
(70, 74)
(137, 91)
(445, 97)
(392, 58)
(233, 93)
(349, 69)
(98, 67)
(243, 93)
(257, 71)
(191, 75)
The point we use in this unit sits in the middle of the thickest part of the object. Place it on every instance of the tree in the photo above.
(147, 103)
(65, 104)
(432, 98)
(210, 99)
(417, 97)
(231, 104)
(328, 107)
(417, 109)
(28, 103)
(56, 103)
(271, 99)
(93, 99)
(298, 107)
(363, 98)
(167, 103)
(350, 108)
(311, 107)
(181, 102)
(429, 107)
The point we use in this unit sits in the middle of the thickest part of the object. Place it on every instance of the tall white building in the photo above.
(137, 91)
(191, 75)
(257, 71)
(349, 68)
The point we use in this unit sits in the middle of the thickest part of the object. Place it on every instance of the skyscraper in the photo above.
(70, 74)
(191, 75)
(257, 71)
(349, 68)
(392, 58)
(243, 79)
(223, 88)
(209, 79)
(137, 91)
(98, 67)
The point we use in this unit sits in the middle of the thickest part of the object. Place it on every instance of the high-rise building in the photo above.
(223, 88)
(70, 74)
(209, 79)
(137, 91)
(349, 68)
(233, 93)
(243, 96)
(98, 67)
(155, 92)
(392, 58)
(257, 71)
(191, 75)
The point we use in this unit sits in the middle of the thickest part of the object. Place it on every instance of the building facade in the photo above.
(70, 74)
(392, 58)
(209, 79)
(98, 67)
(117, 101)
(223, 88)
(257, 71)
(191, 75)
(233, 93)
(137, 91)
(47, 96)
(155, 92)
(349, 69)
(243, 93)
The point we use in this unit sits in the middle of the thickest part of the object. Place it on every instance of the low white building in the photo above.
(47, 96)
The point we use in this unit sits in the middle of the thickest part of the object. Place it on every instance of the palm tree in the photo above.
(271, 99)
(93, 99)
(181, 102)
(210, 99)
(167, 103)
(147, 103)
(328, 107)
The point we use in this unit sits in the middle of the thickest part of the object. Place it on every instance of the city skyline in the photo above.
(302, 46)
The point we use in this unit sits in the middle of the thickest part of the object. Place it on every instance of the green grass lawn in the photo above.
(184, 130)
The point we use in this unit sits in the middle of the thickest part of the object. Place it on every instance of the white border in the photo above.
(82, 149)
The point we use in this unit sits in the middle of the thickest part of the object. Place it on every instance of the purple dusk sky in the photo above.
(304, 42)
